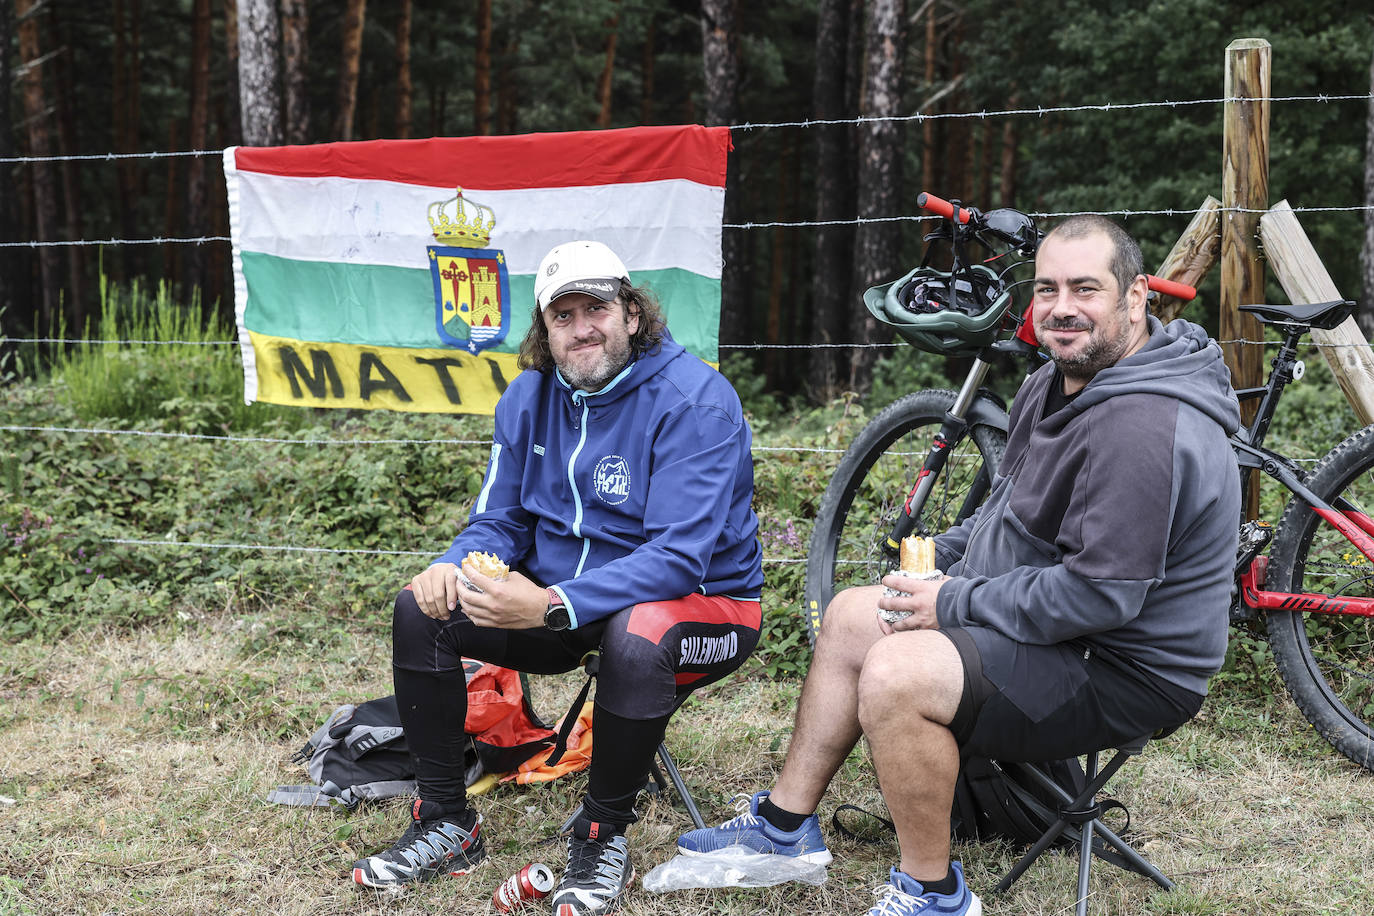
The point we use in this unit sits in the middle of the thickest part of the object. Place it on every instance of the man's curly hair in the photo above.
(635, 300)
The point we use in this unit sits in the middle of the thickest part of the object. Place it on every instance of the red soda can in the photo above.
(533, 882)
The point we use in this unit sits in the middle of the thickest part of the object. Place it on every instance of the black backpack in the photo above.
(360, 753)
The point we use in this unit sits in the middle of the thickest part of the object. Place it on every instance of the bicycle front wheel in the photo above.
(872, 482)
(1326, 660)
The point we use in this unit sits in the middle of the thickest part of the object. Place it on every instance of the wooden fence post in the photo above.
(1193, 255)
(1244, 195)
(1305, 279)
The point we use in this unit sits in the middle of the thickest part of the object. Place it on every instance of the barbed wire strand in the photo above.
(1038, 111)
(775, 224)
(889, 345)
(349, 551)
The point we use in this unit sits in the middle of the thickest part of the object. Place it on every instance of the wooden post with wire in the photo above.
(1304, 279)
(1244, 195)
(1193, 255)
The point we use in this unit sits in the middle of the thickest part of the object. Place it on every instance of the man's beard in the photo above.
(1100, 352)
(614, 357)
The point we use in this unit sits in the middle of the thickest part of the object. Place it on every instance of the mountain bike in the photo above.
(926, 461)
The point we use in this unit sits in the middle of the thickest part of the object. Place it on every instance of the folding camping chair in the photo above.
(656, 777)
(1081, 817)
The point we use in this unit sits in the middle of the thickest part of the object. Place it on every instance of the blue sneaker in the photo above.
(751, 831)
(903, 895)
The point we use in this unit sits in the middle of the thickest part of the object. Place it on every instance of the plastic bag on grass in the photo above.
(733, 866)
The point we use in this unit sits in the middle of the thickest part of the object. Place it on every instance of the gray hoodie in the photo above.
(1115, 519)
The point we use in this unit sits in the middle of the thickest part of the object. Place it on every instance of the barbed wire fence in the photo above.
(235, 440)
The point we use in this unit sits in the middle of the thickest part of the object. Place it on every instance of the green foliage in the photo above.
(194, 385)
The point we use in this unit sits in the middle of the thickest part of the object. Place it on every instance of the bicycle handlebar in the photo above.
(941, 207)
(1170, 288)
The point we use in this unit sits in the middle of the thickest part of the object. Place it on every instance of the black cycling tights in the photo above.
(652, 656)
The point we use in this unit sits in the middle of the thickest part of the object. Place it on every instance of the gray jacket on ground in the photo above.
(1115, 519)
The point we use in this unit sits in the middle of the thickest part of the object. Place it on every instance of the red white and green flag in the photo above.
(399, 274)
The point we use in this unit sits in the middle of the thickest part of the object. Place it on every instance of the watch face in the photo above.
(556, 617)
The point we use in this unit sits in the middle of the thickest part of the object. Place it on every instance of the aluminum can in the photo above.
(533, 882)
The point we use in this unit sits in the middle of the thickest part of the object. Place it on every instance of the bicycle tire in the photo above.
(1327, 661)
(871, 483)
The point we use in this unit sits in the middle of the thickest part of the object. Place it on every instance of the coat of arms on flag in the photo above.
(471, 283)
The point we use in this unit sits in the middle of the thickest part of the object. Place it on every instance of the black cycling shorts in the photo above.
(1028, 702)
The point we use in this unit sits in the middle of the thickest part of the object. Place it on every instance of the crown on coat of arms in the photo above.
(461, 222)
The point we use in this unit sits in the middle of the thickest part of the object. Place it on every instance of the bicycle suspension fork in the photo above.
(952, 430)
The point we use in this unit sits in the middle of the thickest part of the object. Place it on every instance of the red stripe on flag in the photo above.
(653, 618)
(551, 160)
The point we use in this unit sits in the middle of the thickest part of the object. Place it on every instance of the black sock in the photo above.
(786, 821)
(945, 886)
(622, 753)
(433, 709)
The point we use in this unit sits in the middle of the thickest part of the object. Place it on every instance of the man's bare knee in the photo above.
(852, 615)
(912, 673)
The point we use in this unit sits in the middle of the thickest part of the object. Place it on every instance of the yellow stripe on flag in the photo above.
(307, 373)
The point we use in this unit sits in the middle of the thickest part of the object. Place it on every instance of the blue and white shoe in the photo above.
(750, 830)
(903, 895)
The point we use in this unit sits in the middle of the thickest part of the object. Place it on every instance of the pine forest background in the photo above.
(140, 76)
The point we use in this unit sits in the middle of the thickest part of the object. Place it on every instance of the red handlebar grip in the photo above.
(1170, 288)
(937, 205)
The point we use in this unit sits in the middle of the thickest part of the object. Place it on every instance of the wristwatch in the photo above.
(556, 617)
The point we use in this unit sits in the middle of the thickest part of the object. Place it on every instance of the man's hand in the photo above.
(513, 603)
(436, 590)
(919, 599)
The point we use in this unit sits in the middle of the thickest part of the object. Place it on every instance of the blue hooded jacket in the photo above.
(639, 492)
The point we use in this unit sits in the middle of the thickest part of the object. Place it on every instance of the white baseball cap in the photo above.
(579, 267)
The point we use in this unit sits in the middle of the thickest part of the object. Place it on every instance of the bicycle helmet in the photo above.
(939, 313)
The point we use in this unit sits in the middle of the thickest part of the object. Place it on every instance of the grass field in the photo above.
(152, 692)
(134, 768)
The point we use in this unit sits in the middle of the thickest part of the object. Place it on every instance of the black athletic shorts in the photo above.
(1024, 702)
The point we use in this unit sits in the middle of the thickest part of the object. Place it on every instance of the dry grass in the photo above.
(138, 767)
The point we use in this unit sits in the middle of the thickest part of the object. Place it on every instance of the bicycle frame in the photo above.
(1356, 526)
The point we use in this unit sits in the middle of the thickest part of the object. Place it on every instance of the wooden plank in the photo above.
(1304, 279)
(1194, 254)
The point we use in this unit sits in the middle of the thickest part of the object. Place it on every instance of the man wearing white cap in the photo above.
(618, 491)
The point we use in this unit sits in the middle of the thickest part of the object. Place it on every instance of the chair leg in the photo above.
(680, 786)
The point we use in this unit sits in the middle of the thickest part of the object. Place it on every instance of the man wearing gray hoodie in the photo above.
(1085, 604)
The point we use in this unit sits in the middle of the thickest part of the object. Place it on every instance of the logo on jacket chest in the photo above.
(611, 479)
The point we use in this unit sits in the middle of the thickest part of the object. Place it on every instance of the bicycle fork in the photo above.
(952, 431)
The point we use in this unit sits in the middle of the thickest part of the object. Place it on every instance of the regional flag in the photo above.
(399, 274)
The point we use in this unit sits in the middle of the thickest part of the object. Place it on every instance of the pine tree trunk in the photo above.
(831, 307)
(42, 174)
(646, 71)
(259, 72)
(232, 111)
(721, 64)
(74, 301)
(1367, 253)
(603, 86)
(507, 96)
(9, 317)
(404, 88)
(197, 137)
(295, 46)
(350, 55)
(878, 245)
(481, 77)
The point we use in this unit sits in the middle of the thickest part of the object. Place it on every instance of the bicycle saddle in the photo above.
(1323, 315)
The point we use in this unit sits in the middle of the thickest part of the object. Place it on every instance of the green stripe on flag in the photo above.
(394, 306)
